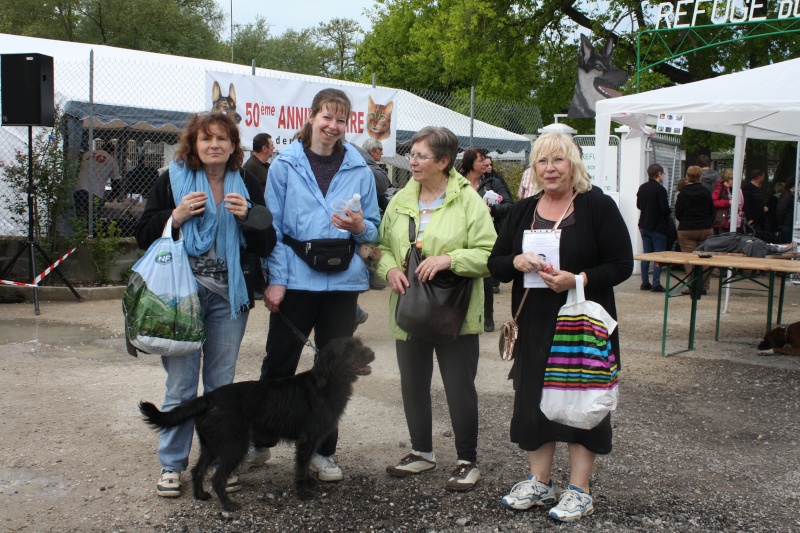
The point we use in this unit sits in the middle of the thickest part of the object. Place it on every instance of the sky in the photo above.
(283, 15)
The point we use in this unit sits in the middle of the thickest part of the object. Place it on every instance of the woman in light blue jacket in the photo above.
(311, 177)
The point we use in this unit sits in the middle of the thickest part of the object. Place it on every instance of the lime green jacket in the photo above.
(461, 228)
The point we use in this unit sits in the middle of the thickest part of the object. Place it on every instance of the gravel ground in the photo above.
(704, 441)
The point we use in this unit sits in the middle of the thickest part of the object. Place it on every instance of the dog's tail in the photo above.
(179, 415)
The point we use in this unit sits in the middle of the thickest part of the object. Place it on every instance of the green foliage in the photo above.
(513, 176)
(104, 248)
(339, 39)
(292, 51)
(181, 27)
(53, 179)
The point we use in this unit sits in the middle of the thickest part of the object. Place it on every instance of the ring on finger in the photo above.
(191, 207)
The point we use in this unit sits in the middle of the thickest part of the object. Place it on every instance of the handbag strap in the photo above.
(558, 223)
(412, 231)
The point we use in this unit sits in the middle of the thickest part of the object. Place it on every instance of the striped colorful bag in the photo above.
(580, 381)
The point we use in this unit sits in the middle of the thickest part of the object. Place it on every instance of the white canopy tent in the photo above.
(761, 103)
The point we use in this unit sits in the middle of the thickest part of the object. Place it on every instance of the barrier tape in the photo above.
(41, 276)
(49, 269)
(16, 283)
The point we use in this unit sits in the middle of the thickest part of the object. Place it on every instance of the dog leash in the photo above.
(306, 340)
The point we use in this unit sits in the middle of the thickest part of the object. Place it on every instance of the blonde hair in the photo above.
(552, 143)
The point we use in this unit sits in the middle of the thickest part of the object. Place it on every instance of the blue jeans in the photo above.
(652, 241)
(219, 354)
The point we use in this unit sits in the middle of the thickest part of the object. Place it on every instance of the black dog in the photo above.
(304, 408)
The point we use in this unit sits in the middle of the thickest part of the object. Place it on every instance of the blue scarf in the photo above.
(214, 226)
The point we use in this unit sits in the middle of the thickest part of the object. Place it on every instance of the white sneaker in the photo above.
(573, 505)
(169, 484)
(255, 457)
(411, 465)
(529, 493)
(326, 467)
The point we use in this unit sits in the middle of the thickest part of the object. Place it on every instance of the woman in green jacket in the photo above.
(455, 232)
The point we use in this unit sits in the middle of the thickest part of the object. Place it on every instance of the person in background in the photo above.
(258, 165)
(755, 209)
(98, 168)
(495, 194)
(708, 176)
(220, 211)
(722, 200)
(694, 210)
(772, 204)
(372, 151)
(525, 185)
(593, 244)
(785, 212)
(308, 178)
(455, 233)
(258, 162)
(654, 222)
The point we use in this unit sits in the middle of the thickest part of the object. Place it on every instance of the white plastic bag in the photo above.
(580, 380)
(161, 306)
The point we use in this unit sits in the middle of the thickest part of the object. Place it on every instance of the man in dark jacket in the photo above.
(651, 200)
(785, 212)
(258, 163)
(755, 210)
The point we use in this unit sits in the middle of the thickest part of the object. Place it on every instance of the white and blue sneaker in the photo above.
(573, 505)
(529, 493)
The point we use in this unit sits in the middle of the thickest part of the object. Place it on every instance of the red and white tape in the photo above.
(41, 276)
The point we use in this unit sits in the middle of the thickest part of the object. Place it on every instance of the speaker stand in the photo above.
(30, 245)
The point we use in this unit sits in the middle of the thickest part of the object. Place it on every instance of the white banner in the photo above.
(609, 182)
(281, 107)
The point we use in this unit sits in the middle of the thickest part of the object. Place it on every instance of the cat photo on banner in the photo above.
(379, 120)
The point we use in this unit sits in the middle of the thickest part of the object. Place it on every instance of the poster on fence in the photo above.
(609, 182)
(280, 107)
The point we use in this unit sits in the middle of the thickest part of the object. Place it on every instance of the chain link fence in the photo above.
(116, 131)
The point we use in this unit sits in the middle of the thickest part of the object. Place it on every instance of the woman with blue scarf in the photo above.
(219, 210)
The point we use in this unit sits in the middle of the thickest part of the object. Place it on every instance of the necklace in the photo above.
(425, 207)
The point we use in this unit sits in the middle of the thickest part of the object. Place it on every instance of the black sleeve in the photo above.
(259, 242)
(501, 260)
(156, 212)
(615, 263)
(663, 203)
(501, 210)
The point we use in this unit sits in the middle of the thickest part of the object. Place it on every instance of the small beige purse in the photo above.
(509, 332)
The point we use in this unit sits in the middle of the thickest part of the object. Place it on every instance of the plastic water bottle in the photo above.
(354, 203)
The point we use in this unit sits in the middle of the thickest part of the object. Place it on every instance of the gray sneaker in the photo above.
(573, 505)
(255, 457)
(529, 493)
(411, 465)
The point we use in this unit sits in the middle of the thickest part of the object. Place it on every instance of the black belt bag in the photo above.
(324, 255)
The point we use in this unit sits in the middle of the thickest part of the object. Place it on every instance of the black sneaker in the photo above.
(488, 326)
(645, 287)
(658, 288)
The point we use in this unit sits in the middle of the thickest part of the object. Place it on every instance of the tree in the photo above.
(339, 39)
(180, 27)
(292, 51)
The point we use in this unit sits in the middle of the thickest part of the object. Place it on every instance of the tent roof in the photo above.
(177, 84)
(723, 104)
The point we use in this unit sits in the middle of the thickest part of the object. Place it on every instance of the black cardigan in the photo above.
(160, 205)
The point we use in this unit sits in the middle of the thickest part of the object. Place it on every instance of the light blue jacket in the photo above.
(299, 210)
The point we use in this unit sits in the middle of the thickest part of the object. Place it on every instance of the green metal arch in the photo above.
(760, 28)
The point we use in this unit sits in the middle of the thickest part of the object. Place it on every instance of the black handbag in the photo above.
(324, 255)
(436, 309)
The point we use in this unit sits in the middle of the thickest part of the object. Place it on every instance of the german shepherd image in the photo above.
(224, 104)
(597, 78)
(304, 409)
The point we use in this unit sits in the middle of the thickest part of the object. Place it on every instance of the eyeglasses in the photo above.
(543, 162)
(412, 156)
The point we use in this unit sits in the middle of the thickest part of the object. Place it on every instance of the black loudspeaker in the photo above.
(27, 90)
